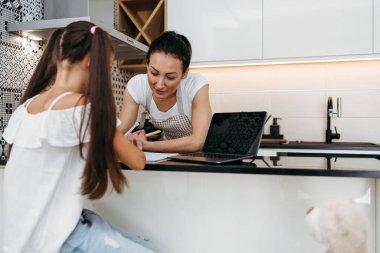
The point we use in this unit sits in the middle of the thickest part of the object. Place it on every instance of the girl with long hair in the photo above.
(65, 144)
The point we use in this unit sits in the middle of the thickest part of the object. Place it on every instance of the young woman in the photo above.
(175, 100)
(65, 145)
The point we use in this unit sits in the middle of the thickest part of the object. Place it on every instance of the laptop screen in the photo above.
(233, 132)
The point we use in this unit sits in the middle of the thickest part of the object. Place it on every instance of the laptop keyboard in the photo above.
(214, 155)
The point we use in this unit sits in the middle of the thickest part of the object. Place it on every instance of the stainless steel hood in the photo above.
(60, 13)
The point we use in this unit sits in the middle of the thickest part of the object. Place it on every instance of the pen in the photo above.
(153, 133)
(131, 129)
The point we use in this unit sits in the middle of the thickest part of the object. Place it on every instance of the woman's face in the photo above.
(164, 74)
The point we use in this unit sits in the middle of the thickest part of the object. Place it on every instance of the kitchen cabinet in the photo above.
(272, 30)
(219, 30)
(376, 28)
(142, 20)
(309, 28)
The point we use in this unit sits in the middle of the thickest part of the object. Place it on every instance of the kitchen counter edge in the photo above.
(240, 168)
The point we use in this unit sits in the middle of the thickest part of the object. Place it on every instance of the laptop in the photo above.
(232, 136)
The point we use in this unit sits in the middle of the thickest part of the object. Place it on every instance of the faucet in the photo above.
(330, 112)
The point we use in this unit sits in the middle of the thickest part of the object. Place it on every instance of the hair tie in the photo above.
(93, 29)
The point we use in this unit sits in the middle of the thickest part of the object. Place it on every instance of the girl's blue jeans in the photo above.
(93, 234)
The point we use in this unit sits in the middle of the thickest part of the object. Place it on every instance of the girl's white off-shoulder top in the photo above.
(42, 178)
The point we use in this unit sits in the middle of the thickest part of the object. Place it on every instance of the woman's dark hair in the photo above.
(173, 44)
(73, 43)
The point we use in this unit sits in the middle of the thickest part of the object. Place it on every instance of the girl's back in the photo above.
(43, 176)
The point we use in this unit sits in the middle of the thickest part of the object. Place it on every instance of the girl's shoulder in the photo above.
(71, 100)
(59, 127)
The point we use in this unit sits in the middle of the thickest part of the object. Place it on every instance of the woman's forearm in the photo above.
(180, 145)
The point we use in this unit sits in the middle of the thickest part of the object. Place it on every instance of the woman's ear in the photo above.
(184, 74)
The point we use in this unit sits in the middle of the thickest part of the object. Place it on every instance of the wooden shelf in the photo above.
(143, 20)
(135, 68)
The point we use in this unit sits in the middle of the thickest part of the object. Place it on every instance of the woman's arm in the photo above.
(128, 114)
(200, 122)
(128, 153)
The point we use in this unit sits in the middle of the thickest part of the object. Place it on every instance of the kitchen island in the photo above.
(241, 207)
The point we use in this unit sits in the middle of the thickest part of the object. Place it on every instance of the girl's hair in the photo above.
(173, 44)
(46, 69)
(73, 43)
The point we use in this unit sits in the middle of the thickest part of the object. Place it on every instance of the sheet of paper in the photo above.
(155, 157)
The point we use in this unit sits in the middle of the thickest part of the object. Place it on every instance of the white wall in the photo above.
(298, 93)
(214, 212)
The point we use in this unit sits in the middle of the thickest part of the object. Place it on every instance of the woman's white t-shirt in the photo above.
(42, 179)
(138, 88)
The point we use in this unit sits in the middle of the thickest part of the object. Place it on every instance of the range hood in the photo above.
(60, 13)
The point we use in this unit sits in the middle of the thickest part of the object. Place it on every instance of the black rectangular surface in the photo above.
(367, 146)
(286, 164)
(231, 136)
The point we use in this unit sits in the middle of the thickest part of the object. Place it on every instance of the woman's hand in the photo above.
(138, 138)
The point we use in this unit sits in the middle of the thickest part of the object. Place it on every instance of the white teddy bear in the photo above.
(340, 225)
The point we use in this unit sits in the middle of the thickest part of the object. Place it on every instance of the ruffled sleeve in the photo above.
(60, 128)
(10, 132)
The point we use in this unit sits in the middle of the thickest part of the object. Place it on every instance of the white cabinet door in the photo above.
(309, 28)
(219, 30)
(376, 28)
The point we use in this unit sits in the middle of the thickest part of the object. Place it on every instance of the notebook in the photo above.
(232, 136)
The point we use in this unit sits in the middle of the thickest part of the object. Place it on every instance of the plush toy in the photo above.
(340, 225)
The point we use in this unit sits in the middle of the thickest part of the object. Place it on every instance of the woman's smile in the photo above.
(160, 92)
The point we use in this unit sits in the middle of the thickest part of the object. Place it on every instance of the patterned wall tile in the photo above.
(119, 81)
(9, 100)
(18, 57)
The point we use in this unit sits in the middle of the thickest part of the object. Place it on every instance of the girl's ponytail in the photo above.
(101, 161)
(73, 43)
(46, 69)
